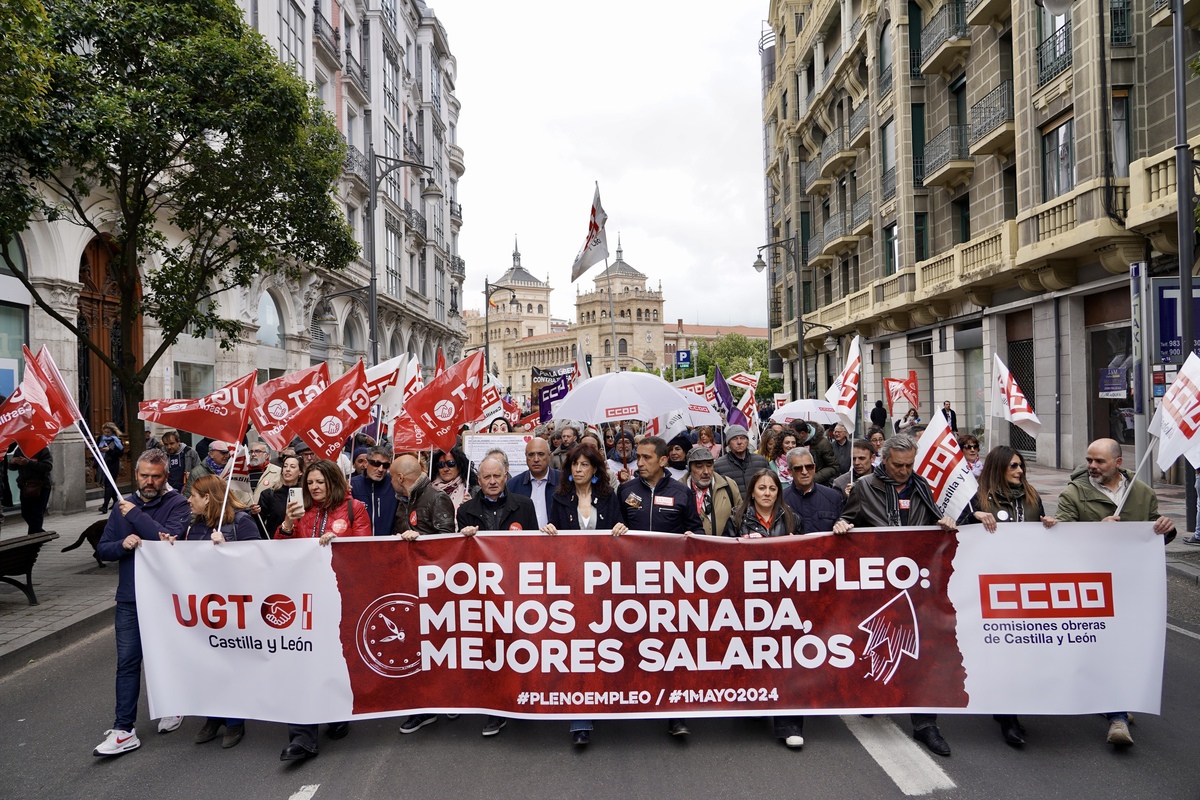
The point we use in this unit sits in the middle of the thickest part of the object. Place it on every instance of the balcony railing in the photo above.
(455, 210)
(914, 63)
(1159, 4)
(856, 28)
(885, 80)
(834, 143)
(950, 22)
(835, 227)
(814, 245)
(860, 117)
(416, 220)
(862, 210)
(356, 72)
(356, 164)
(411, 148)
(812, 94)
(832, 64)
(950, 144)
(889, 184)
(458, 267)
(1121, 30)
(1054, 55)
(918, 171)
(329, 35)
(995, 109)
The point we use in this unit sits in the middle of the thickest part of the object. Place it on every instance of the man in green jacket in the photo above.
(1093, 496)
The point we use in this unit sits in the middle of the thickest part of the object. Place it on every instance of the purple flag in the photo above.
(548, 394)
(725, 405)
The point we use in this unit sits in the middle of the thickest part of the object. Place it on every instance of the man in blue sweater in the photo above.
(155, 512)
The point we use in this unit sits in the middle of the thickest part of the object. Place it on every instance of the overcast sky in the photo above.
(657, 101)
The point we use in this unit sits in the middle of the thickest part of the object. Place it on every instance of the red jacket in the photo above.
(336, 521)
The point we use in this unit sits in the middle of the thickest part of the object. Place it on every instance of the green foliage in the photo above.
(736, 353)
(173, 115)
(24, 63)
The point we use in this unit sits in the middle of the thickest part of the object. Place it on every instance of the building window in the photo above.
(1120, 115)
(393, 147)
(891, 250)
(622, 347)
(885, 48)
(1058, 160)
(393, 247)
(540, 308)
(291, 34)
(962, 219)
(607, 348)
(439, 290)
(270, 322)
(921, 235)
(424, 276)
(391, 84)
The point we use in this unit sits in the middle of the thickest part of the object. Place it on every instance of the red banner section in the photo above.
(650, 624)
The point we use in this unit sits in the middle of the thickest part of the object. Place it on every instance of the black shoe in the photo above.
(931, 737)
(338, 730)
(677, 727)
(233, 735)
(416, 722)
(209, 732)
(296, 752)
(581, 738)
(103, 511)
(1012, 735)
(493, 725)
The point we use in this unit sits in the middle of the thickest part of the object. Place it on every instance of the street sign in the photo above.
(683, 358)
(1168, 344)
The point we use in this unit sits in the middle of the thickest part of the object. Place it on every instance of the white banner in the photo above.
(1026, 621)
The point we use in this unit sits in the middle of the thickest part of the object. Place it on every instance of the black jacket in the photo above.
(818, 509)
(866, 507)
(564, 511)
(666, 507)
(739, 470)
(429, 510)
(782, 524)
(511, 512)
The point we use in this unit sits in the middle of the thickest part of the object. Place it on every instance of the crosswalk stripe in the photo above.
(306, 792)
(910, 768)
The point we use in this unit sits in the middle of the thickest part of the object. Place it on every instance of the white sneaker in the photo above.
(168, 724)
(118, 742)
(795, 742)
(1118, 733)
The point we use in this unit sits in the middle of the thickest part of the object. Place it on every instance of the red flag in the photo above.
(61, 405)
(407, 436)
(276, 402)
(441, 363)
(26, 418)
(511, 412)
(344, 407)
(449, 401)
(221, 415)
(898, 390)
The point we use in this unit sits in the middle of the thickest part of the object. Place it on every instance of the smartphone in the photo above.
(295, 495)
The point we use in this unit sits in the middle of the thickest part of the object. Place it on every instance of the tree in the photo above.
(173, 132)
(24, 63)
(736, 353)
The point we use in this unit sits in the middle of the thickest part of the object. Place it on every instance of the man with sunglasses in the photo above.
(816, 506)
(373, 488)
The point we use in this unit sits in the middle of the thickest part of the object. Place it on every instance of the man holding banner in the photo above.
(893, 496)
(155, 512)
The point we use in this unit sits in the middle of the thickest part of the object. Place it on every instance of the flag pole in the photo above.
(95, 451)
(1142, 463)
(229, 482)
(612, 317)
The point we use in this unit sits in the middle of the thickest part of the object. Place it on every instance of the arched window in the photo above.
(574, 351)
(530, 308)
(509, 356)
(639, 315)
(607, 347)
(622, 347)
(885, 48)
(656, 315)
(603, 314)
(270, 322)
(647, 315)
(540, 308)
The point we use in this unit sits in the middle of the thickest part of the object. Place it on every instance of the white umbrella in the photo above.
(807, 410)
(622, 395)
(698, 411)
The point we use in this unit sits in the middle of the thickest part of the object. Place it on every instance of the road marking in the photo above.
(306, 792)
(912, 769)
(1184, 631)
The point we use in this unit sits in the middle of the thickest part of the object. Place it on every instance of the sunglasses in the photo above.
(970, 447)
(803, 467)
(380, 464)
(1015, 465)
(445, 464)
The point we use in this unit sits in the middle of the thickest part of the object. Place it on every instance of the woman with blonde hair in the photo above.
(111, 447)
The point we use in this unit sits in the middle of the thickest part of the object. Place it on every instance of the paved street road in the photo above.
(52, 713)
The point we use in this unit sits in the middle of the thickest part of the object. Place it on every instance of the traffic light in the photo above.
(588, 358)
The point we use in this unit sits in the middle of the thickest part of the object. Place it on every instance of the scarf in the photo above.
(213, 466)
(448, 487)
(920, 492)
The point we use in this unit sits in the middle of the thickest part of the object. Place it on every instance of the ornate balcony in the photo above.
(993, 123)
(356, 77)
(416, 222)
(946, 40)
(861, 220)
(456, 211)
(1054, 55)
(948, 161)
(972, 269)
(327, 38)
(455, 156)
(813, 181)
(356, 166)
(885, 81)
(817, 257)
(837, 238)
(458, 267)
(412, 150)
(836, 153)
(860, 125)
(1160, 13)
(831, 66)
(1152, 201)
(889, 184)
(988, 12)
(1070, 230)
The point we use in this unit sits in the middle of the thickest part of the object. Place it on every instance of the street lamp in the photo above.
(488, 290)
(792, 247)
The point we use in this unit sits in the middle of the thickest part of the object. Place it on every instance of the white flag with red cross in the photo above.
(941, 462)
(1179, 414)
(1010, 402)
(843, 394)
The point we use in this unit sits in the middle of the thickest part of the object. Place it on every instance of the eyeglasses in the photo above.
(445, 464)
(803, 467)
(380, 464)
(970, 447)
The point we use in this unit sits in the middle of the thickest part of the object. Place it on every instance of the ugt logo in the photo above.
(214, 610)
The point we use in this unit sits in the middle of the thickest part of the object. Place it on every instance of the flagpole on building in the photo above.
(612, 317)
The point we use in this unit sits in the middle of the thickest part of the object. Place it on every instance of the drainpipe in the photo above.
(1057, 386)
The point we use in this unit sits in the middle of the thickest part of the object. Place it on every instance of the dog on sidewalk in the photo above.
(91, 535)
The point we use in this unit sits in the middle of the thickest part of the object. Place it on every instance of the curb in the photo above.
(1183, 569)
(84, 625)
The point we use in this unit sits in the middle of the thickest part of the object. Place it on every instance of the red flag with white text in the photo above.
(58, 396)
(441, 363)
(897, 389)
(26, 418)
(449, 401)
(277, 401)
(330, 417)
(222, 415)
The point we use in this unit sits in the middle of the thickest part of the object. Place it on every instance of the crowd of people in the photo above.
(803, 478)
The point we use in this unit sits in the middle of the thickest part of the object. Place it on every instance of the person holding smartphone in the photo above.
(272, 502)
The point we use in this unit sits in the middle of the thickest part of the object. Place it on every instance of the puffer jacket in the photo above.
(740, 470)
(782, 524)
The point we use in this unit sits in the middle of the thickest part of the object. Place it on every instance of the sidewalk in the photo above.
(76, 596)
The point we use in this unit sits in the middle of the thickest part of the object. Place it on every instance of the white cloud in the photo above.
(659, 102)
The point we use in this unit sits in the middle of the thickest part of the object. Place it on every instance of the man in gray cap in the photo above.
(737, 462)
(716, 495)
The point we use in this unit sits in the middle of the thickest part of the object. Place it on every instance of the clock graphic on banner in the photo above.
(387, 636)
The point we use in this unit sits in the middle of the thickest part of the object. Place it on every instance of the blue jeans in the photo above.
(581, 725)
(129, 666)
(1123, 716)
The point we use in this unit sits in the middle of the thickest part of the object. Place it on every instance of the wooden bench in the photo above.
(17, 556)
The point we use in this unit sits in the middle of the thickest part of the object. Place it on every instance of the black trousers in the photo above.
(33, 510)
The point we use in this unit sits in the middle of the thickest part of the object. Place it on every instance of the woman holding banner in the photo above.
(331, 512)
(584, 501)
(763, 513)
(1005, 495)
(208, 524)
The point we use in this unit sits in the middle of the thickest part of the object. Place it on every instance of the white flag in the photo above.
(941, 462)
(1009, 401)
(668, 426)
(595, 246)
(843, 394)
(581, 372)
(781, 399)
(694, 385)
(748, 405)
(745, 380)
(1180, 417)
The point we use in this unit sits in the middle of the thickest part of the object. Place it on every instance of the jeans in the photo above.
(129, 666)
(921, 721)
(581, 725)
(33, 510)
(788, 726)
(1122, 716)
